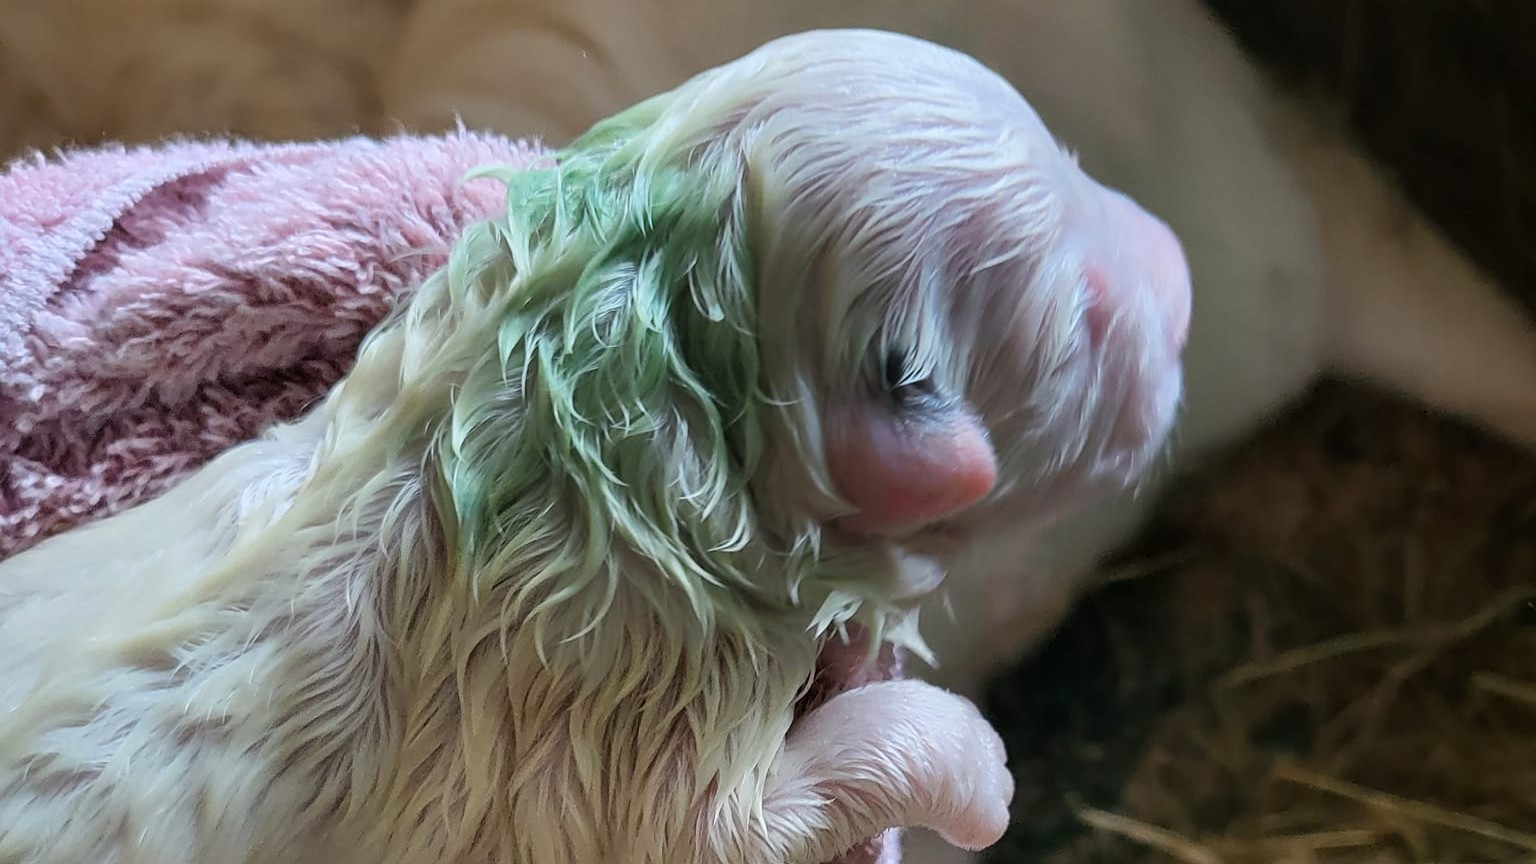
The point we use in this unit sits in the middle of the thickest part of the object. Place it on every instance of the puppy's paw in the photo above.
(895, 754)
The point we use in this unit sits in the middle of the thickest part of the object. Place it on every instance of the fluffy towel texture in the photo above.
(159, 305)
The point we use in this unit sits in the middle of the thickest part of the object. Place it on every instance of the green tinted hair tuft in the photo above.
(621, 407)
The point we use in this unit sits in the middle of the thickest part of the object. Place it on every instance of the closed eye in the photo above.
(907, 391)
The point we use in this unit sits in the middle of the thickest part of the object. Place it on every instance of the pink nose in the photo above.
(1141, 262)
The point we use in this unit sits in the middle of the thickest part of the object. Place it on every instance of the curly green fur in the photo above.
(631, 342)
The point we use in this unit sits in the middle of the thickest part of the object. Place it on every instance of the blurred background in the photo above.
(1323, 650)
(1330, 654)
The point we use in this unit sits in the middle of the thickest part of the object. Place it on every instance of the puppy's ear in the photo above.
(907, 458)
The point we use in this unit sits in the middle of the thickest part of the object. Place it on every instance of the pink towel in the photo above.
(159, 305)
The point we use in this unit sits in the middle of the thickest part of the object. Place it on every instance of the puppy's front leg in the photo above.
(887, 755)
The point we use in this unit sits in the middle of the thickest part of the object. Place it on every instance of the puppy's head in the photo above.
(962, 329)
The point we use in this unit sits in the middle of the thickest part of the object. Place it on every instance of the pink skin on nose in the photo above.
(1138, 253)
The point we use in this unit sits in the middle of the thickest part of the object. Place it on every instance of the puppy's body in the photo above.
(545, 578)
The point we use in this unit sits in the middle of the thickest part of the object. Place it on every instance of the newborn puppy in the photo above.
(560, 572)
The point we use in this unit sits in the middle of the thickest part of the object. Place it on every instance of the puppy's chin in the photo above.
(846, 664)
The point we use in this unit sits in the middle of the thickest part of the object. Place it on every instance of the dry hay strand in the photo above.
(1339, 667)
